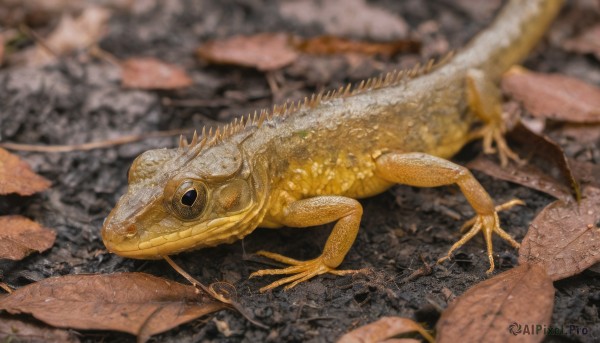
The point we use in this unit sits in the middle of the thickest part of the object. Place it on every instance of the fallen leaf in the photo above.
(17, 177)
(328, 45)
(500, 309)
(20, 237)
(564, 238)
(526, 175)
(350, 18)
(586, 173)
(150, 73)
(2, 42)
(136, 303)
(587, 42)
(385, 328)
(264, 51)
(71, 34)
(15, 330)
(546, 155)
(553, 96)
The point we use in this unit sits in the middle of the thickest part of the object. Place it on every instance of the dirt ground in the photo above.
(80, 100)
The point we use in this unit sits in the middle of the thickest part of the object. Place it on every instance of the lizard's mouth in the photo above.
(143, 244)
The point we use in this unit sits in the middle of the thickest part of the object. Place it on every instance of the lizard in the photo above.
(306, 163)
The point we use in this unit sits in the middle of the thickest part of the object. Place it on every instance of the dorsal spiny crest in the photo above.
(258, 118)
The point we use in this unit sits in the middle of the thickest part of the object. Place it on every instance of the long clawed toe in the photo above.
(488, 224)
(300, 270)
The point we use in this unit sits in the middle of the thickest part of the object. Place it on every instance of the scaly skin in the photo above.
(305, 164)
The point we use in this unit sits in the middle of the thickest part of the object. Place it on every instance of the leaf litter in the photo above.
(151, 73)
(249, 51)
(547, 168)
(347, 18)
(553, 96)
(564, 238)
(585, 43)
(16, 176)
(486, 311)
(385, 328)
(19, 237)
(137, 303)
(71, 35)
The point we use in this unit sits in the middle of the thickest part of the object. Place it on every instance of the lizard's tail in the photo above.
(514, 32)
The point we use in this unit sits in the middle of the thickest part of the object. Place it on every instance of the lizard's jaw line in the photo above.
(208, 234)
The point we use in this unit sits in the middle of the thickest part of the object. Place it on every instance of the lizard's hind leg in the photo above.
(485, 101)
(423, 170)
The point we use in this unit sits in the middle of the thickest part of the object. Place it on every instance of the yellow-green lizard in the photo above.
(305, 164)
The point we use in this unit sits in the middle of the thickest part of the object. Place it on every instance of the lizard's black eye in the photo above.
(189, 197)
(189, 201)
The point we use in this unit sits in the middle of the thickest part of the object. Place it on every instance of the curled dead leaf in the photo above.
(150, 73)
(385, 328)
(547, 169)
(20, 237)
(249, 51)
(137, 303)
(17, 177)
(564, 238)
(527, 175)
(553, 96)
(547, 155)
(493, 310)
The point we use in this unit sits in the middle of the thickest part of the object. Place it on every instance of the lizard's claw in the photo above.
(494, 133)
(300, 270)
(488, 224)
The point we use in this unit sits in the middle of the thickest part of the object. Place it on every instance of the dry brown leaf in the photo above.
(150, 73)
(384, 328)
(546, 155)
(350, 18)
(553, 96)
(564, 238)
(547, 169)
(17, 177)
(486, 312)
(137, 303)
(587, 42)
(71, 34)
(328, 45)
(20, 237)
(1, 48)
(587, 173)
(264, 51)
(527, 175)
(15, 330)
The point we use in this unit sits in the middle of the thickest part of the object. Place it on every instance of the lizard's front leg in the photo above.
(311, 212)
(423, 170)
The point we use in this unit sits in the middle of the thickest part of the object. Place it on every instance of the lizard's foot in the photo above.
(488, 223)
(494, 133)
(300, 270)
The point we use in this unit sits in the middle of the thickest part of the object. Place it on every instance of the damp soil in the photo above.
(80, 100)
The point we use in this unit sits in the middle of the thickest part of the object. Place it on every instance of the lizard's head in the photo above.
(187, 198)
